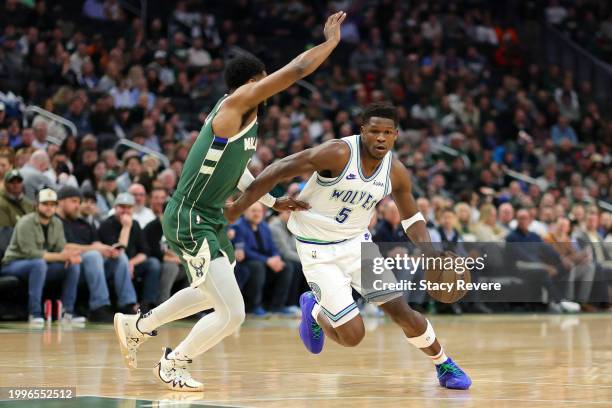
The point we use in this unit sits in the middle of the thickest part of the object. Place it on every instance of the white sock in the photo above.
(425, 340)
(439, 358)
(221, 289)
(183, 303)
(315, 311)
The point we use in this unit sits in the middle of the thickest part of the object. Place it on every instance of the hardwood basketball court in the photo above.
(514, 360)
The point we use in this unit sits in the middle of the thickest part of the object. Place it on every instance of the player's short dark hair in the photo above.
(380, 110)
(241, 68)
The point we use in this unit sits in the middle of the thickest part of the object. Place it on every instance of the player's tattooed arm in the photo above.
(330, 157)
(252, 94)
(406, 204)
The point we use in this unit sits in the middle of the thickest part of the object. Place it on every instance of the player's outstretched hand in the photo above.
(332, 26)
(286, 203)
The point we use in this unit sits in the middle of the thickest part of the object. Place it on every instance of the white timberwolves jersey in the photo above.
(341, 207)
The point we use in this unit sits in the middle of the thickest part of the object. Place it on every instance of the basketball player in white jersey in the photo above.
(350, 176)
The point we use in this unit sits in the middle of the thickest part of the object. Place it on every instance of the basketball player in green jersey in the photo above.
(193, 221)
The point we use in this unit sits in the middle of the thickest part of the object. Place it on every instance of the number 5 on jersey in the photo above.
(343, 215)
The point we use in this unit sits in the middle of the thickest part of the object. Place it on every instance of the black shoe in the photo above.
(146, 307)
(129, 308)
(102, 314)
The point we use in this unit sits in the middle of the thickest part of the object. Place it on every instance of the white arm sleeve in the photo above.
(246, 180)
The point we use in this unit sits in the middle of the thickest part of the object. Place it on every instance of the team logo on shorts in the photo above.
(316, 290)
(198, 265)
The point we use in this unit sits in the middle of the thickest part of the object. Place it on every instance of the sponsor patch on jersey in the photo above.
(379, 183)
(351, 177)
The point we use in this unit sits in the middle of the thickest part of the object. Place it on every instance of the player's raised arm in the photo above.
(413, 222)
(252, 94)
(323, 157)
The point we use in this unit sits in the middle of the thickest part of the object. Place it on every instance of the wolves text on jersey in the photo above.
(355, 197)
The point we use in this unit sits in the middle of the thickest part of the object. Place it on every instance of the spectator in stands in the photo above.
(140, 212)
(106, 193)
(6, 164)
(121, 231)
(151, 138)
(264, 262)
(464, 218)
(158, 201)
(167, 180)
(89, 209)
(563, 131)
(506, 215)
(389, 229)
(171, 268)
(40, 135)
(33, 174)
(13, 203)
(97, 260)
(77, 114)
(60, 172)
(528, 251)
(450, 236)
(487, 229)
(133, 168)
(37, 253)
(285, 242)
(578, 262)
(589, 239)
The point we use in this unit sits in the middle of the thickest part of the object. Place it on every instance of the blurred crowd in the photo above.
(498, 148)
(587, 22)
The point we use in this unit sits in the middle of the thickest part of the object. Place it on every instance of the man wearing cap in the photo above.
(13, 203)
(37, 252)
(121, 231)
(97, 259)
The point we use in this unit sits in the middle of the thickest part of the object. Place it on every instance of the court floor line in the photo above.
(428, 398)
(462, 397)
(475, 379)
(166, 400)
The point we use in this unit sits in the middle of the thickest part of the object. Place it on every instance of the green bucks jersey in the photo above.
(212, 169)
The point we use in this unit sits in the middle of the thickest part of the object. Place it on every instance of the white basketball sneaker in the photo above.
(174, 373)
(130, 338)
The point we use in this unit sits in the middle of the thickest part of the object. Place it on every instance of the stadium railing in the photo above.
(562, 51)
(53, 137)
(143, 149)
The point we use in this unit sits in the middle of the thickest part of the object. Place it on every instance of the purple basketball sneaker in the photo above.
(453, 377)
(310, 332)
